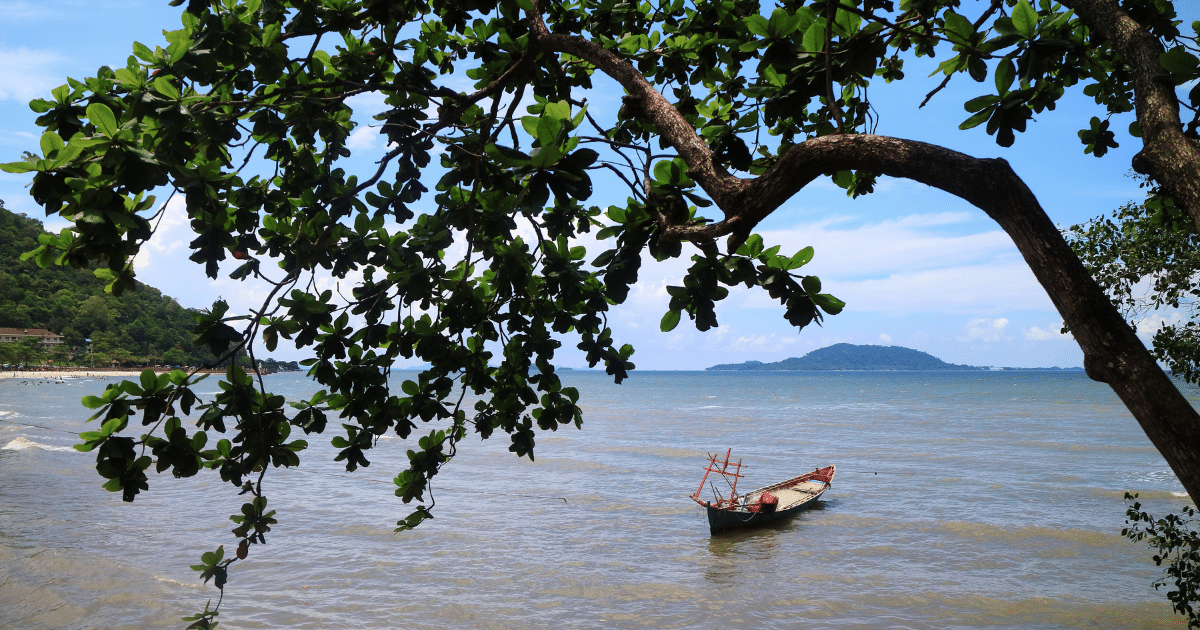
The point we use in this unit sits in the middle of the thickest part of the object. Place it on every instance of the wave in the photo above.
(21, 444)
(174, 582)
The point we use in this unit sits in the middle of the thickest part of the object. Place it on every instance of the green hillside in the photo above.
(845, 356)
(140, 327)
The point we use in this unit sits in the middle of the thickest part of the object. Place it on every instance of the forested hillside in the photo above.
(140, 327)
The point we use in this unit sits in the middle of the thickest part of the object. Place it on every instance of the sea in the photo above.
(962, 500)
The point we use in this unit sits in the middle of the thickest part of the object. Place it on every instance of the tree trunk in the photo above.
(1113, 354)
(1167, 155)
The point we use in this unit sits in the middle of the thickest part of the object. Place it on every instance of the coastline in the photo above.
(54, 375)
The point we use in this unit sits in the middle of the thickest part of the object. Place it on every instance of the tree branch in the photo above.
(652, 106)
(1112, 352)
(1167, 155)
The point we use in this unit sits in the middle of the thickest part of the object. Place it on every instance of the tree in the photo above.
(173, 356)
(244, 113)
(30, 350)
(61, 354)
(1146, 257)
(93, 316)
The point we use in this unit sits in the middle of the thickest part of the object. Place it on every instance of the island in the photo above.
(846, 356)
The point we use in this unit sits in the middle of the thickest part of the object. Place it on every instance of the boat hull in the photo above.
(720, 520)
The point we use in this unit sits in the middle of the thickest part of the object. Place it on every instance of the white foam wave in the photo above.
(21, 444)
(168, 580)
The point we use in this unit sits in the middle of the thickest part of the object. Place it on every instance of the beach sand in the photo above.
(55, 375)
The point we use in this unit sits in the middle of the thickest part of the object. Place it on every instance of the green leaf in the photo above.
(530, 125)
(773, 77)
(166, 88)
(781, 24)
(545, 157)
(801, 258)
(127, 78)
(977, 119)
(51, 142)
(811, 284)
(752, 247)
(1024, 19)
(18, 167)
(506, 156)
(101, 116)
(560, 110)
(846, 24)
(666, 172)
(669, 320)
(143, 53)
(41, 105)
(828, 303)
(1178, 61)
(547, 130)
(814, 37)
(958, 28)
(181, 42)
(756, 24)
(1006, 73)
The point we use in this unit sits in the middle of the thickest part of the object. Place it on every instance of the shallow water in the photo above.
(962, 499)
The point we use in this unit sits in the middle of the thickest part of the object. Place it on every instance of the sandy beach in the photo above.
(54, 375)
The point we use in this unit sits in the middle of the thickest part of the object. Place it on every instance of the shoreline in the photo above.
(54, 375)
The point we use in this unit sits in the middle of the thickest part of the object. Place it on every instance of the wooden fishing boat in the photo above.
(776, 501)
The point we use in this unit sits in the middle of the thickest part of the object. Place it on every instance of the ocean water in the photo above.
(962, 500)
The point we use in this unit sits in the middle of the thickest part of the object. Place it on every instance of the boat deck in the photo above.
(789, 497)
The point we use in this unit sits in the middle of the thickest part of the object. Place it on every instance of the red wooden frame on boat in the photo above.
(724, 471)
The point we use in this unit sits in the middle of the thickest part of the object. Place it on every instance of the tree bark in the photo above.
(1167, 155)
(1112, 352)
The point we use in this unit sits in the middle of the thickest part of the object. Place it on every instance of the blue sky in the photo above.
(917, 267)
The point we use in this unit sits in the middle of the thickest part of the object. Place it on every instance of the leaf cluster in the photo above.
(1175, 540)
(1145, 256)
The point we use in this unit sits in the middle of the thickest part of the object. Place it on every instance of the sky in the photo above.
(917, 267)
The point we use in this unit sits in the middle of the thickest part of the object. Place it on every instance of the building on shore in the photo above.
(15, 335)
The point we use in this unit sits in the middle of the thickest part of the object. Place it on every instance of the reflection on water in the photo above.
(989, 500)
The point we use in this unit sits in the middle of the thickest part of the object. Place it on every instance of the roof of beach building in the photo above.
(28, 332)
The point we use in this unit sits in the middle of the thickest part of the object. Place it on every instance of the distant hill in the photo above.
(140, 327)
(845, 356)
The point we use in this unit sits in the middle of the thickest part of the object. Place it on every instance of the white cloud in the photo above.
(362, 138)
(22, 11)
(918, 263)
(983, 329)
(1150, 325)
(367, 104)
(768, 343)
(1052, 331)
(28, 74)
(965, 289)
(171, 235)
(885, 338)
(911, 243)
